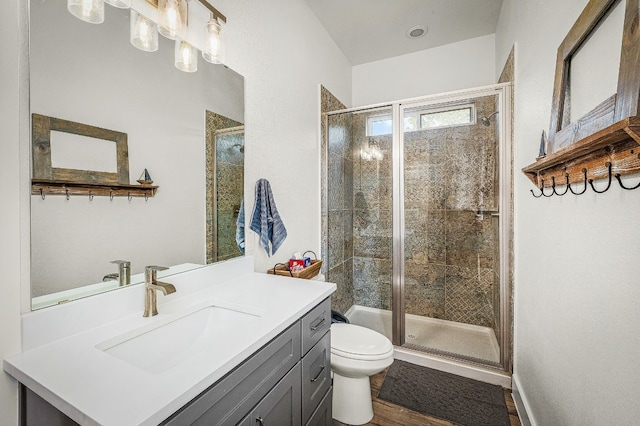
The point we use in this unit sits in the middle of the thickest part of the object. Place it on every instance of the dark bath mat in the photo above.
(446, 396)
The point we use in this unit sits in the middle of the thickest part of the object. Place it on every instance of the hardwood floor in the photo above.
(388, 414)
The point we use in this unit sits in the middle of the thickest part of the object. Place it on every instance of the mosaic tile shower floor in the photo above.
(464, 339)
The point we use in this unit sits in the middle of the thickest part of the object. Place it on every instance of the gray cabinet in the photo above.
(286, 382)
(231, 398)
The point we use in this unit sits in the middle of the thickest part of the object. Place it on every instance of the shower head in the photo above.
(240, 147)
(486, 120)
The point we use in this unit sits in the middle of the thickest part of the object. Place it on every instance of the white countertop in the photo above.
(93, 387)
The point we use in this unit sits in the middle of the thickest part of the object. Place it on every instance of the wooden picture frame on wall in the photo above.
(621, 105)
(41, 147)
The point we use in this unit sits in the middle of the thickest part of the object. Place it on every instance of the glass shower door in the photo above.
(359, 222)
(450, 283)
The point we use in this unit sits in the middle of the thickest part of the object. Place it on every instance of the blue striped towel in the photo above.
(266, 220)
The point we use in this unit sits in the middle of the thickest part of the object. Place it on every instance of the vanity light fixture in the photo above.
(213, 46)
(91, 11)
(172, 18)
(143, 32)
(172, 23)
(186, 57)
(121, 4)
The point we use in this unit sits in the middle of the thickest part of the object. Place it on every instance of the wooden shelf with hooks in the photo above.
(46, 187)
(618, 144)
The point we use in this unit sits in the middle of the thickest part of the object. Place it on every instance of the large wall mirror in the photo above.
(186, 129)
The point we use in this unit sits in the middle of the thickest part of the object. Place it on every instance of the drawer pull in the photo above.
(315, 379)
(318, 325)
(260, 421)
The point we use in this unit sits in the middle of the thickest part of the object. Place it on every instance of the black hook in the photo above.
(621, 184)
(541, 190)
(553, 180)
(608, 185)
(584, 171)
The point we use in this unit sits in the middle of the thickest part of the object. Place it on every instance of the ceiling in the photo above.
(370, 30)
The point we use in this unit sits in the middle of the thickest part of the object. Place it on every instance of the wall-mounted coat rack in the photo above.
(44, 187)
(49, 180)
(606, 141)
(612, 152)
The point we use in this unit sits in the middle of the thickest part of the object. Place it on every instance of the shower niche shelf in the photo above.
(618, 145)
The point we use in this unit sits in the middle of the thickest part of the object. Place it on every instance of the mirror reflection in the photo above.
(91, 74)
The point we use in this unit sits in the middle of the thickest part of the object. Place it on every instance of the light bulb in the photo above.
(186, 58)
(143, 32)
(121, 4)
(91, 11)
(172, 21)
(213, 45)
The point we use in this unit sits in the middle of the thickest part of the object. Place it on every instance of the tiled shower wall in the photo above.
(451, 245)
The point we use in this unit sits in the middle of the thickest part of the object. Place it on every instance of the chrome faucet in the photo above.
(151, 284)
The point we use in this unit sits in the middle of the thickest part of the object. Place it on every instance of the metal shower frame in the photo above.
(503, 93)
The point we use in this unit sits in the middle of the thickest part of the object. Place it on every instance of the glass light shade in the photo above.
(122, 4)
(186, 57)
(91, 11)
(172, 18)
(213, 43)
(143, 32)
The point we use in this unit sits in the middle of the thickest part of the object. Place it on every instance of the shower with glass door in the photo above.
(417, 210)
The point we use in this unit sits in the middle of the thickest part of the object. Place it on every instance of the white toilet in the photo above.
(356, 353)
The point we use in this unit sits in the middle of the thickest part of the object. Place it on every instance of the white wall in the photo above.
(10, 211)
(469, 63)
(284, 54)
(577, 289)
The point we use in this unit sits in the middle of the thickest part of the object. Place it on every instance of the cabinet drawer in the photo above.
(231, 398)
(322, 415)
(316, 375)
(315, 324)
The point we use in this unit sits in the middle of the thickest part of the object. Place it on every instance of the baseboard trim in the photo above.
(521, 403)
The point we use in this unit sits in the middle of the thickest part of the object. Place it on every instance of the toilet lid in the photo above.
(353, 341)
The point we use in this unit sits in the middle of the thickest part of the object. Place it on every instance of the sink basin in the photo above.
(163, 346)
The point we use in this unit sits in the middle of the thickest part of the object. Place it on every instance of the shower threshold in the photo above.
(467, 340)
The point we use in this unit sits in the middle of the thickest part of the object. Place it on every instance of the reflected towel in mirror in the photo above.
(266, 220)
(240, 227)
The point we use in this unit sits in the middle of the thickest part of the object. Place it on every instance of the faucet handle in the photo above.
(124, 263)
(150, 273)
(155, 268)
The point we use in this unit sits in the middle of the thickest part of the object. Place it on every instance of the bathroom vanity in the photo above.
(231, 348)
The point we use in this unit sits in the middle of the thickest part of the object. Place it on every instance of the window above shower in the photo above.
(451, 116)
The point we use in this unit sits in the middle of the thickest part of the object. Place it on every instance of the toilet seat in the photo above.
(360, 343)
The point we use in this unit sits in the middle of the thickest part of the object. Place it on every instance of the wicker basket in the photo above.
(307, 273)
